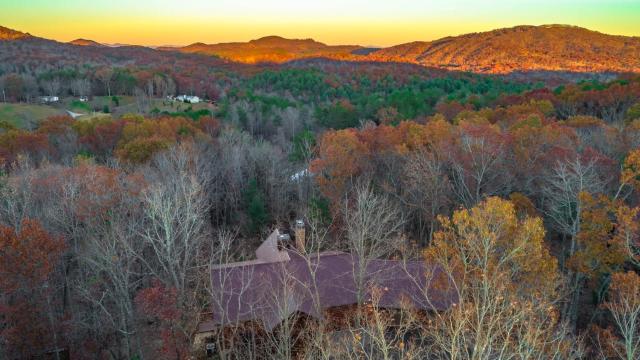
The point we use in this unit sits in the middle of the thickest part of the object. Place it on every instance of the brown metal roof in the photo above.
(271, 291)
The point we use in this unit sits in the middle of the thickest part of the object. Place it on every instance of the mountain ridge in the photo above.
(10, 34)
(523, 48)
(272, 48)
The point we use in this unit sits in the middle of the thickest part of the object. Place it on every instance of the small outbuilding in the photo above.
(49, 99)
(188, 99)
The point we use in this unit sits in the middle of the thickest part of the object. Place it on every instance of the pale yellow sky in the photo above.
(370, 22)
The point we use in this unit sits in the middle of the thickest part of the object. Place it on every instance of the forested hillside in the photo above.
(523, 48)
(517, 49)
(10, 34)
(270, 49)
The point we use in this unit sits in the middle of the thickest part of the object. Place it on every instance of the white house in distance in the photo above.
(188, 99)
(49, 99)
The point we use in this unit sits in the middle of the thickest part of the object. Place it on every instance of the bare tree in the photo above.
(478, 168)
(81, 87)
(110, 255)
(30, 87)
(624, 307)
(428, 187)
(142, 100)
(105, 75)
(52, 86)
(221, 252)
(373, 223)
(174, 215)
(563, 207)
(567, 179)
(3, 89)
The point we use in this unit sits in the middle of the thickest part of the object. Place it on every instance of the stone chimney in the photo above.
(300, 235)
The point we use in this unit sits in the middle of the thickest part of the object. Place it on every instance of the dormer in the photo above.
(270, 250)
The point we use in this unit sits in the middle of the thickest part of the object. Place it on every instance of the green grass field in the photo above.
(92, 116)
(26, 116)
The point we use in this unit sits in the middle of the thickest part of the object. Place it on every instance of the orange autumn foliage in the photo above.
(523, 205)
(599, 248)
(342, 155)
(631, 170)
(55, 125)
(15, 142)
(628, 231)
(91, 191)
(27, 255)
(142, 138)
(625, 287)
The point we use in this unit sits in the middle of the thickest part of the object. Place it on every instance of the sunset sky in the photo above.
(363, 22)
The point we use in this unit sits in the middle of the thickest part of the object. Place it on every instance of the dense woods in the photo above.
(524, 194)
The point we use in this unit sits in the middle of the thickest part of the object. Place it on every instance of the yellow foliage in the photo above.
(582, 121)
(141, 138)
(631, 170)
(490, 241)
(471, 117)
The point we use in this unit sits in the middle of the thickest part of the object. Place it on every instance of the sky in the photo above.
(361, 22)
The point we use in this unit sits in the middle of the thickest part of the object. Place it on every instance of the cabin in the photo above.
(284, 280)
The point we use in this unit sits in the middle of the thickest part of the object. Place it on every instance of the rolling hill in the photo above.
(274, 49)
(85, 42)
(522, 48)
(10, 34)
(30, 54)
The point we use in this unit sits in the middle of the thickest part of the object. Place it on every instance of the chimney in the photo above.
(300, 235)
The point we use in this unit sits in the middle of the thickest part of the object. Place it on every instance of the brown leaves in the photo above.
(27, 255)
(631, 170)
(600, 247)
(15, 142)
(340, 156)
(142, 138)
(625, 287)
(628, 231)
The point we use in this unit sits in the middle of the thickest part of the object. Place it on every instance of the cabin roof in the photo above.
(270, 291)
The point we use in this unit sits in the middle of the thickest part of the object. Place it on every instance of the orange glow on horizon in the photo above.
(360, 22)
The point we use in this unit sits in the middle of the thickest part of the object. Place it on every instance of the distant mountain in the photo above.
(34, 55)
(10, 34)
(85, 42)
(274, 49)
(522, 48)
(547, 48)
